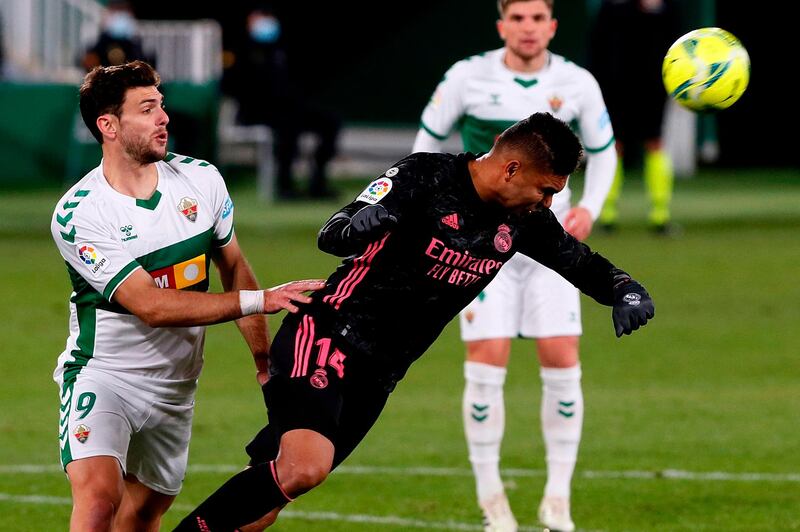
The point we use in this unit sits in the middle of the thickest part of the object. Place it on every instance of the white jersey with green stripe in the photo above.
(104, 236)
(481, 97)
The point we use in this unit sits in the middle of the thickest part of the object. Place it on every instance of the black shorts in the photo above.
(316, 384)
(637, 116)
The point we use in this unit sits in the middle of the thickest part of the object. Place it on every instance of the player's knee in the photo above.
(558, 352)
(94, 513)
(304, 477)
(494, 351)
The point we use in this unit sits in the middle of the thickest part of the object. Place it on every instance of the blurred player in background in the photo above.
(485, 94)
(420, 242)
(138, 234)
(260, 79)
(628, 47)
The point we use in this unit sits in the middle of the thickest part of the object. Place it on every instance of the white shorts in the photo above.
(525, 300)
(148, 434)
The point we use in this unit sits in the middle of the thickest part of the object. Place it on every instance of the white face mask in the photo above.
(121, 25)
(265, 29)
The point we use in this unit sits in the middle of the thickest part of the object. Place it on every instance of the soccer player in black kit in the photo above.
(419, 244)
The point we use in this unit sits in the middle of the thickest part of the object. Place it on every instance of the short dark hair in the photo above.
(547, 142)
(503, 4)
(103, 90)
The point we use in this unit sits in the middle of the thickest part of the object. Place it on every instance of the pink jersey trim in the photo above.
(303, 342)
(361, 267)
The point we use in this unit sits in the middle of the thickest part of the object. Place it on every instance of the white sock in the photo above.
(484, 423)
(562, 420)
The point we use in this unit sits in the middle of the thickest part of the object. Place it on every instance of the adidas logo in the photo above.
(450, 220)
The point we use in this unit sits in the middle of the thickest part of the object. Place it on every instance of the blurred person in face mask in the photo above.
(258, 77)
(118, 42)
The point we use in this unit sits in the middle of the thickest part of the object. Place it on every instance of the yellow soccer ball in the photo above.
(707, 69)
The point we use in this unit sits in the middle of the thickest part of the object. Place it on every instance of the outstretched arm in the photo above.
(165, 307)
(590, 272)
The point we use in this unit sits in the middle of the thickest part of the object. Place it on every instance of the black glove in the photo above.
(370, 221)
(632, 306)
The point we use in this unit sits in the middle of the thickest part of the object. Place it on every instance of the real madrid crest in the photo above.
(502, 240)
(319, 379)
(188, 208)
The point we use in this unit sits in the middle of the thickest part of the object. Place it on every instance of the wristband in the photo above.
(251, 302)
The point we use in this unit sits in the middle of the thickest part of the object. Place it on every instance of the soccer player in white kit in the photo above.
(482, 95)
(138, 234)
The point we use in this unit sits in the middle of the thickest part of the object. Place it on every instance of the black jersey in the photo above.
(392, 297)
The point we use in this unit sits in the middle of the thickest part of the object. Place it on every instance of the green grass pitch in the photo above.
(692, 423)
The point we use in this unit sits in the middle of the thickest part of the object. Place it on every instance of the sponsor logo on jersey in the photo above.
(391, 172)
(188, 208)
(604, 120)
(181, 275)
(555, 103)
(502, 240)
(458, 268)
(92, 258)
(378, 189)
(451, 220)
(227, 209)
(128, 232)
(81, 433)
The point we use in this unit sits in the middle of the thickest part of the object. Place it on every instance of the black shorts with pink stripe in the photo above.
(317, 383)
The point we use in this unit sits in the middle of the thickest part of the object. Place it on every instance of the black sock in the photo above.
(245, 498)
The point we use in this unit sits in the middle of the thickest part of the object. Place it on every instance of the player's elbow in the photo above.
(152, 317)
(325, 245)
(328, 243)
(148, 309)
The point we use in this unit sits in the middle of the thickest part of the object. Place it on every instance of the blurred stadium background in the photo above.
(692, 424)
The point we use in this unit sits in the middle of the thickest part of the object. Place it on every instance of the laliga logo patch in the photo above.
(378, 189)
(632, 299)
(188, 208)
(319, 379)
(87, 254)
(81, 433)
(92, 258)
(502, 240)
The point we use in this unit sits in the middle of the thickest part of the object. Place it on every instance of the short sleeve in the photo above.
(91, 249)
(398, 189)
(223, 210)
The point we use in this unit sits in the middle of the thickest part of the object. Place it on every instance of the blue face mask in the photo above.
(121, 26)
(265, 30)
